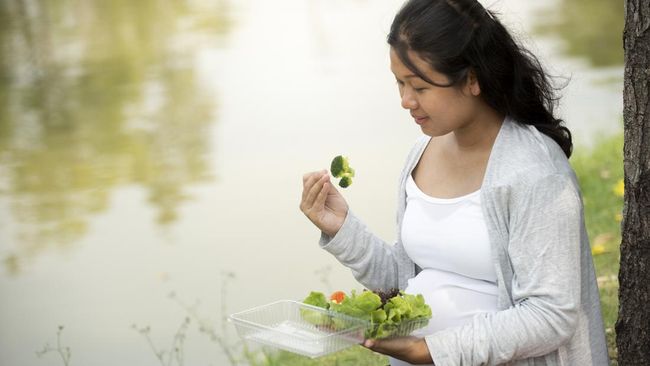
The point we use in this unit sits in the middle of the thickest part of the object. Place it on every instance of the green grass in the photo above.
(354, 356)
(600, 171)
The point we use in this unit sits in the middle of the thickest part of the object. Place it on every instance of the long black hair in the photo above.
(456, 36)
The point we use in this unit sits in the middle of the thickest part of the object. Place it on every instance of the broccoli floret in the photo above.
(345, 181)
(340, 168)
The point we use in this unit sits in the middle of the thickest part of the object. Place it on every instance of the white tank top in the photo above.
(448, 239)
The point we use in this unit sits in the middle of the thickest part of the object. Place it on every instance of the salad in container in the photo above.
(321, 325)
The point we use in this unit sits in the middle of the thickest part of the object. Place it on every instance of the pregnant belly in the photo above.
(454, 299)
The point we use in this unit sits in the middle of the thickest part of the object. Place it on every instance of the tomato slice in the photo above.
(337, 297)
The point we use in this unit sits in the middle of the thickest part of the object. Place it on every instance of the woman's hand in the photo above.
(410, 349)
(322, 203)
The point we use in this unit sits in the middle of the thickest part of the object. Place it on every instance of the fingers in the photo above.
(314, 192)
(390, 347)
(306, 176)
(319, 202)
(381, 346)
(410, 349)
(369, 343)
(310, 181)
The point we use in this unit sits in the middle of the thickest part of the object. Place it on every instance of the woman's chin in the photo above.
(432, 132)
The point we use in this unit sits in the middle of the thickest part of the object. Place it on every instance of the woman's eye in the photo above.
(420, 90)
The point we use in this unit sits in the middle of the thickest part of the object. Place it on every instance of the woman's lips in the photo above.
(420, 120)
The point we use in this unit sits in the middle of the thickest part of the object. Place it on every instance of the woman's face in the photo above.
(437, 110)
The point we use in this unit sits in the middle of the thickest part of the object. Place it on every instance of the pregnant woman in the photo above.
(490, 217)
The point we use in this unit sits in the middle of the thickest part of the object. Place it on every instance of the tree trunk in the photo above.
(633, 324)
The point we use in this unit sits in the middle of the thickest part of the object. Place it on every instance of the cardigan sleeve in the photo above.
(372, 261)
(544, 251)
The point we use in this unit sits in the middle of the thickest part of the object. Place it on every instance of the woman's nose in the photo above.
(408, 101)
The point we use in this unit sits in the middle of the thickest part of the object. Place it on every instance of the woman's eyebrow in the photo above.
(408, 76)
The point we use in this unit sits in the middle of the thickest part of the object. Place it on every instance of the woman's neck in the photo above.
(478, 135)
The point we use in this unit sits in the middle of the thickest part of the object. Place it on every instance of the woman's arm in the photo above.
(373, 262)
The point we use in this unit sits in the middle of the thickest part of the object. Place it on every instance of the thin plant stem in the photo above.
(64, 352)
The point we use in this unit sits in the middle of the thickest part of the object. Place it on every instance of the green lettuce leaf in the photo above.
(313, 316)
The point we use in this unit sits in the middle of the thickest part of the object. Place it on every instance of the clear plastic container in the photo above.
(281, 325)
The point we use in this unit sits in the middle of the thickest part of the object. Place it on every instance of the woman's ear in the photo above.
(473, 86)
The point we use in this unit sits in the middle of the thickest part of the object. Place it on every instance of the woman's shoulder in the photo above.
(416, 150)
(521, 154)
(420, 143)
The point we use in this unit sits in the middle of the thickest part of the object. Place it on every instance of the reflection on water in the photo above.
(591, 29)
(96, 95)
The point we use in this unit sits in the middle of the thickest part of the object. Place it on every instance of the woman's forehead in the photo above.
(398, 67)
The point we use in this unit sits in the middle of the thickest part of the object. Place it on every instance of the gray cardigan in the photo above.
(548, 301)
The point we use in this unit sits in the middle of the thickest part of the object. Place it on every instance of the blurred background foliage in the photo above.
(95, 95)
(589, 29)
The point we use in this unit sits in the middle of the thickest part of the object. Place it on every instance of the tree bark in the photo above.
(633, 324)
